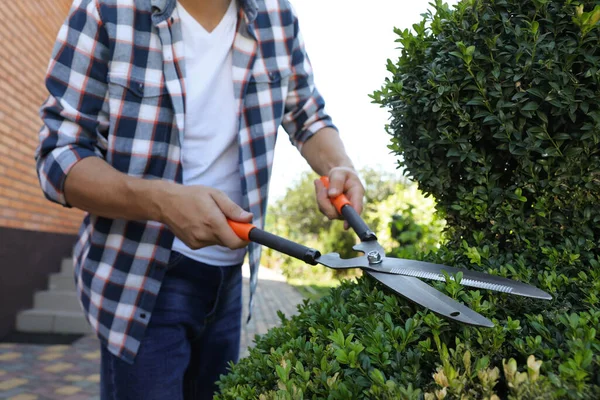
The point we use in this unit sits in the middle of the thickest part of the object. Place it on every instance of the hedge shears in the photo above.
(399, 275)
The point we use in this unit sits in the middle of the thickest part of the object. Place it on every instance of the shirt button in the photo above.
(141, 87)
(272, 75)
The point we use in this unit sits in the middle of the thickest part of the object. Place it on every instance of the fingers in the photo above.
(355, 193)
(324, 202)
(223, 232)
(342, 180)
(345, 180)
(337, 181)
(229, 208)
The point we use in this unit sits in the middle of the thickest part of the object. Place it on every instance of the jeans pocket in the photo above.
(175, 259)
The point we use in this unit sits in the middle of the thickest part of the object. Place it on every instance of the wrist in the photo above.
(151, 196)
(325, 151)
(345, 165)
(334, 160)
(346, 169)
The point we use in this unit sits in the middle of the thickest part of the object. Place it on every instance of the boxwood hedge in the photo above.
(495, 111)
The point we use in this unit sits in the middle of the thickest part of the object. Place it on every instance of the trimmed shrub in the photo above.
(360, 342)
(495, 113)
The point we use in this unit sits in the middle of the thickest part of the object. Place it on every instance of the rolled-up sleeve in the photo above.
(75, 120)
(304, 106)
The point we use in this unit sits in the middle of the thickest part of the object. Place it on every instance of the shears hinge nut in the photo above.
(374, 257)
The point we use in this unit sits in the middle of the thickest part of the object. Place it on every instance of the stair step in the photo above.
(71, 323)
(49, 321)
(61, 281)
(67, 267)
(34, 321)
(57, 300)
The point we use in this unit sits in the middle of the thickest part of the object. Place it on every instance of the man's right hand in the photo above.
(198, 215)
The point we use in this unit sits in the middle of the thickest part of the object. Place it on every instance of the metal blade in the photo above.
(470, 278)
(428, 297)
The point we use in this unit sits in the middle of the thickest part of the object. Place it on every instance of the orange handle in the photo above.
(339, 201)
(242, 229)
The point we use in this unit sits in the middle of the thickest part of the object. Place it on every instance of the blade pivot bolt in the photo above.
(374, 257)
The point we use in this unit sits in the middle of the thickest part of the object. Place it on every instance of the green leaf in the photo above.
(341, 356)
(476, 101)
(377, 376)
(537, 92)
(456, 54)
(530, 106)
(452, 152)
(562, 136)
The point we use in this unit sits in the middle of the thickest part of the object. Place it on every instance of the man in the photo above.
(161, 124)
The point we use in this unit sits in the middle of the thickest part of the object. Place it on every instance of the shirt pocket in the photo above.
(142, 125)
(267, 93)
(136, 98)
(272, 79)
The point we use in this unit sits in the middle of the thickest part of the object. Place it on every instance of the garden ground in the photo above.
(70, 372)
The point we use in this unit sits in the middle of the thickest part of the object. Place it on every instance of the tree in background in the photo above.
(406, 223)
(296, 215)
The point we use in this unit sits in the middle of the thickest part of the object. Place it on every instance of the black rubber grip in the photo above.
(285, 246)
(358, 224)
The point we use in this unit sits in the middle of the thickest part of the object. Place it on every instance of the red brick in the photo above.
(30, 33)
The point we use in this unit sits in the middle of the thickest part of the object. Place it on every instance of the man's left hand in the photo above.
(341, 180)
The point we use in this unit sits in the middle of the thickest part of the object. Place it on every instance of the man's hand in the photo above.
(325, 153)
(341, 180)
(197, 215)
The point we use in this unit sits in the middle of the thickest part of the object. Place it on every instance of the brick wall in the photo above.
(28, 30)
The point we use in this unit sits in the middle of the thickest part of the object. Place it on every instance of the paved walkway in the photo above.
(35, 372)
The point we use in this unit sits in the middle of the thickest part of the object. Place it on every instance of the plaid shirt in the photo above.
(116, 84)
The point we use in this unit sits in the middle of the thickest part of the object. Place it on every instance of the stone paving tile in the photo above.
(61, 372)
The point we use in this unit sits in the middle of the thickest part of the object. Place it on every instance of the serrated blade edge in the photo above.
(442, 278)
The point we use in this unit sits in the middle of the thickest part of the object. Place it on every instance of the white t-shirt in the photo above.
(210, 147)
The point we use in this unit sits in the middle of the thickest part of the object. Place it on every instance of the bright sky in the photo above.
(349, 43)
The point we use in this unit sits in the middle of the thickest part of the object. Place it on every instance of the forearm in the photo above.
(96, 187)
(325, 150)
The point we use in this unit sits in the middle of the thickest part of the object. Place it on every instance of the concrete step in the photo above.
(57, 300)
(61, 281)
(67, 267)
(48, 321)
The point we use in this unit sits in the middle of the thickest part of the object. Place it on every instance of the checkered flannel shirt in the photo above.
(116, 85)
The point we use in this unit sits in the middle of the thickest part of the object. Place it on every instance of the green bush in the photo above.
(359, 342)
(496, 113)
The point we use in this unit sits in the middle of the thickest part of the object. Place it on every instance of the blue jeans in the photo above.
(192, 335)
